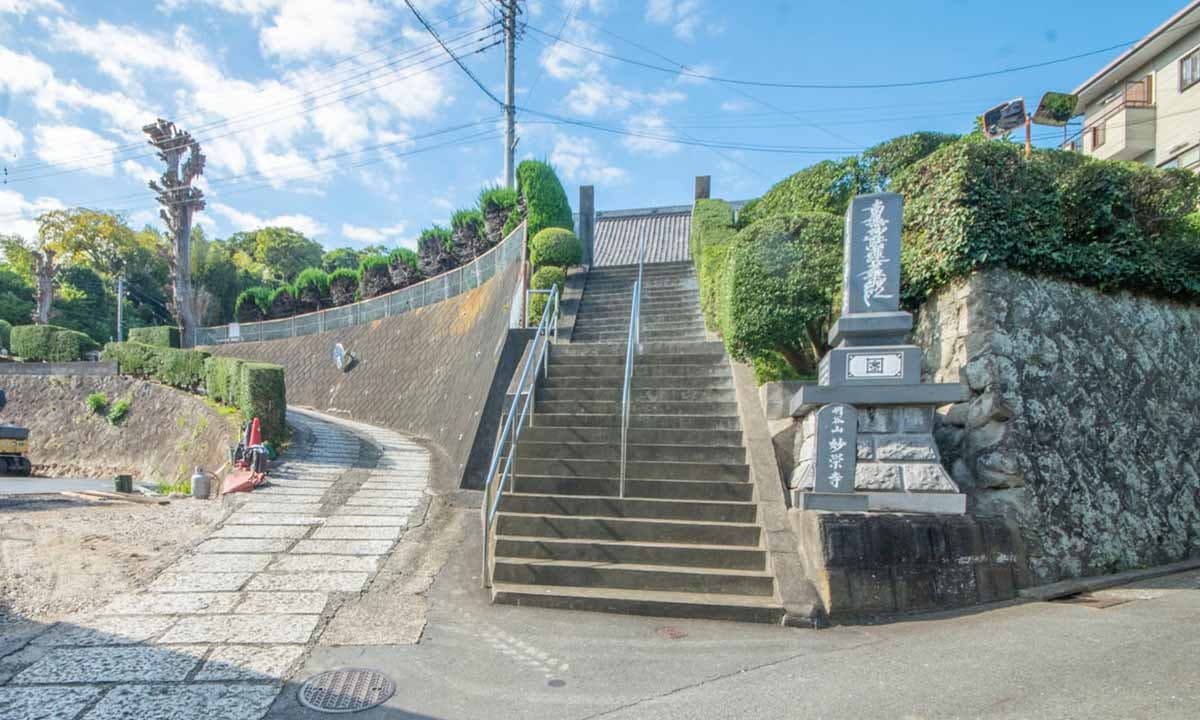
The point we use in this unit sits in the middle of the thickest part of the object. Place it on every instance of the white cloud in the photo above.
(589, 97)
(74, 147)
(249, 221)
(735, 106)
(20, 7)
(138, 171)
(17, 215)
(11, 140)
(374, 235)
(654, 135)
(303, 28)
(683, 16)
(579, 161)
(563, 61)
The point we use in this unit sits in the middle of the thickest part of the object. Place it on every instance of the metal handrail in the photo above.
(632, 345)
(537, 359)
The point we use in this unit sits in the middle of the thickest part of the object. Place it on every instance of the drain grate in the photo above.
(346, 690)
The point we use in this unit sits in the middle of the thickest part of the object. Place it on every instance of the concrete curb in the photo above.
(1075, 586)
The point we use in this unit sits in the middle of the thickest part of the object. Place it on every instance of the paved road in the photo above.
(214, 635)
(1137, 659)
(43, 485)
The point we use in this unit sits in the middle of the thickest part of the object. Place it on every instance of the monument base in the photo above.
(898, 469)
(830, 502)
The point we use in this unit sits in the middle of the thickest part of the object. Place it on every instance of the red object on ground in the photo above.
(245, 479)
(238, 481)
(255, 434)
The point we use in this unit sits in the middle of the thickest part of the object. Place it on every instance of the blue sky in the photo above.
(339, 118)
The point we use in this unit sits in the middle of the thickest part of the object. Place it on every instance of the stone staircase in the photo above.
(685, 540)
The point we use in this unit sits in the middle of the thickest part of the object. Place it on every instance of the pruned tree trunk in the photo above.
(44, 270)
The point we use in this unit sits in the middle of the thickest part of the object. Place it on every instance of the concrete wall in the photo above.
(94, 369)
(1083, 425)
(426, 372)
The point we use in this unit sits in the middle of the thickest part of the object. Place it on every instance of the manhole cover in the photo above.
(346, 690)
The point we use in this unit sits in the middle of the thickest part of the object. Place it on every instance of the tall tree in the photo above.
(180, 201)
(285, 252)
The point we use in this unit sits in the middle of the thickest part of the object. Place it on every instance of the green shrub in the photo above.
(435, 249)
(888, 159)
(469, 232)
(312, 290)
(5, 334)
(712, 232)
(544, 279)
(263, 395)
(252, 305)
(282, 303)
(183, 369)
(50, 343)
(546, 202)
(97, 403)
(222, 379)
(374, 276)
(161, 335)
(498, 206)
(119, 411)
(827, 186)
(778, 287)
(404, 266)
(343, 286)
(556, 247)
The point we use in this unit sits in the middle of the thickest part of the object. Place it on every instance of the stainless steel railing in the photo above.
(535, 362)
(632, 347)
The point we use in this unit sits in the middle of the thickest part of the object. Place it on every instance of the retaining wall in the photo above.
(426, 372)
(1083, 426)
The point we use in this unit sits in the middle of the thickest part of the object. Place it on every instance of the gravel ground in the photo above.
(60, 556)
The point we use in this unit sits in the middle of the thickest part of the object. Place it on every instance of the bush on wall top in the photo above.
(253, 304)
(712, 232)
(50, 343)
(544, 279)
(161, 335)
(5, 334)
(545, 200)
(557, 247)
(827, 186)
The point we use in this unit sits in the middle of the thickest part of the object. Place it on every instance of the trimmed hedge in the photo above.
(778, 289)
(5, 334)
(161, 335)
(312, 290)
(374, 276)
(50, 343)
(282, 303)
(262, 394)
(253, 305)
(544, 279)
(222, 379)
(827, 186)
(343, 286)
(546, 202)
(184, 369)
(555, 247)
(1115, 225)
(404, 266)
(712, 233)
(888, 159)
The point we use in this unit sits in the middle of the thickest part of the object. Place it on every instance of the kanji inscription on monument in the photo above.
(837, 449)
(872, 248)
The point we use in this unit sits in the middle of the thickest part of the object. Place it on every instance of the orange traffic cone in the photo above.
(255, 434)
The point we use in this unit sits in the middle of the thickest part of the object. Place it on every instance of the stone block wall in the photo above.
(426, 373)
(1083, 426)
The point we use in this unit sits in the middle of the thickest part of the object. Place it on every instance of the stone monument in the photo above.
(872, 378)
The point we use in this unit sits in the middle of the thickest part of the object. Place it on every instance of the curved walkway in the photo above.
(219, 632)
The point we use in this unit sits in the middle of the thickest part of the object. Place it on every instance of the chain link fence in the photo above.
(427, 292)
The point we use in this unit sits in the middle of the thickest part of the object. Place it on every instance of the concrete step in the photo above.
(641, 602)
(621, 284)
(640, 469)
(638, 394)
(725, 454)
(612, 507)
(638, 381)
(575, 573)
(710, 556)
(642, 437)
(616, 356)
(660, 489)
(667, 322)
(588, 336)
(650, 296)
(636, 407)
(713, 347)
(657, 422)
(649, 371)
(622, 305)
(628, 530)
(618, 314)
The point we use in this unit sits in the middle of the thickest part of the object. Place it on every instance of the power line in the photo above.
(460, 63)
(832, 86)
(557, 37)
(373, 87)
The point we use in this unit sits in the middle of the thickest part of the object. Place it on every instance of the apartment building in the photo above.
(1145, 105)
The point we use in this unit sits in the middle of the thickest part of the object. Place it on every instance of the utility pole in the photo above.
(120, 304)
(180, 203)
(510, 64)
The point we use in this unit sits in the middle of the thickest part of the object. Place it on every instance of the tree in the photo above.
(285, 252)
(180, 203)
(342, 257)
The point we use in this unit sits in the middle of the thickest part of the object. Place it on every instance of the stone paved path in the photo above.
(217, 633)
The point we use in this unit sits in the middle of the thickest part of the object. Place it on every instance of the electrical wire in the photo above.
(460, 63)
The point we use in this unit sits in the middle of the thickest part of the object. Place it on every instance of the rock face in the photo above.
(1083, 425)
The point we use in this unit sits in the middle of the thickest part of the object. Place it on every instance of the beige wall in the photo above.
(1177, 114)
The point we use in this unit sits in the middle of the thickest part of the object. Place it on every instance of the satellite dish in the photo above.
(1004, 118)
(1056, 109)
(339, 356)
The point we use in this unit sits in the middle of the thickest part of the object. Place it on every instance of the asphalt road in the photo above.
(1138, 656)
(45, 485)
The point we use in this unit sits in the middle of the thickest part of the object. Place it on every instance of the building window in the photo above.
(1098, 135)
(1189, 70)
